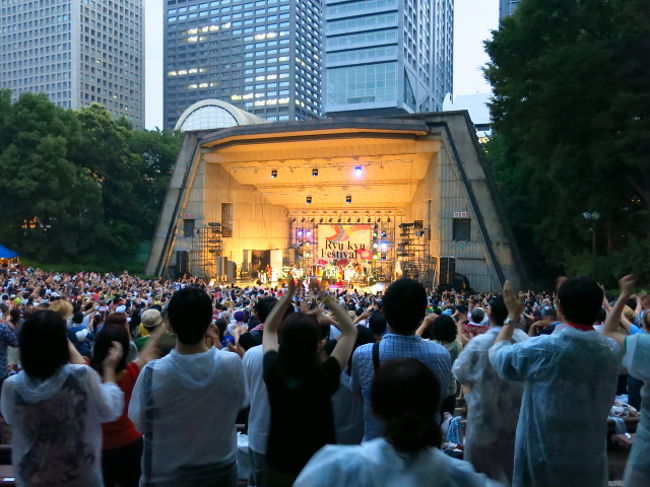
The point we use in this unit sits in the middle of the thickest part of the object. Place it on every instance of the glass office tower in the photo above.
(262, 56)
(76, 52)
(507, 8)
(387, 57)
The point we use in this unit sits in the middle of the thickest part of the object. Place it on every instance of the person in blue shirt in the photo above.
(569, 382)
(404, 305)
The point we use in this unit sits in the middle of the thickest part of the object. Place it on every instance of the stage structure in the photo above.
(352, 201)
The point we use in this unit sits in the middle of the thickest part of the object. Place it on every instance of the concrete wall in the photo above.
(257, 225)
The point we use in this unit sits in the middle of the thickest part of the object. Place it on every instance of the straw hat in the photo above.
(62, 308)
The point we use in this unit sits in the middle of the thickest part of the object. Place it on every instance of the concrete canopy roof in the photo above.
(393, 156)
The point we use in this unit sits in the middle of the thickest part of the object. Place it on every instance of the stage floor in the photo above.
(339, 286)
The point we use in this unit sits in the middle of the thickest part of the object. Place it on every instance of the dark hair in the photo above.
(404, 305)
(116, 319)
(109, 334)
(377, 323)
(78, 317)
(443, 329)
(580, 300)
(498, 310)
(405, 396)
(477, 315)
(263, 307)
(299, 337)
(221, 325)
(43, 343)
(190, 313)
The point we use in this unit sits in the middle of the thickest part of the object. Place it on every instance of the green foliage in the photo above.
(78, 185)
(571, 113)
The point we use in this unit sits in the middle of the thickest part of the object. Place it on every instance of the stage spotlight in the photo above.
(358, 171)
(312, 220)
(308, 233)
(369, 220)
(384, 246)
(339, 220)
(348, 199)
(299, 234)
(274, 173)
(383, 234)
(383, 256)
(314, 172)
(389, 220)
(378, 220)
(308, 201)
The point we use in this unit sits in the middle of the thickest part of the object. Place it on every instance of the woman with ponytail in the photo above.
(405, 396)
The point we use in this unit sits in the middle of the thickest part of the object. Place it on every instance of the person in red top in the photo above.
(122, 444)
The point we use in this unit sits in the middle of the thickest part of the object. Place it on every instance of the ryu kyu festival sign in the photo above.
(338, 242)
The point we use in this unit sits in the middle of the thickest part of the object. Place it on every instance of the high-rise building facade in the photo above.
(507, 8)
(76, 52)
(262, 56)
(387, 56)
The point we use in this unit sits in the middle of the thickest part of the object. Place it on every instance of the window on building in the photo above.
(188, 227)
(462, 230)
(226, 219)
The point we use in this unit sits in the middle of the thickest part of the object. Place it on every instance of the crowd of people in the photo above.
(120, 381)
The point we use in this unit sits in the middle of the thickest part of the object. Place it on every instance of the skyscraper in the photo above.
(387, 56)
(262, 56)
(76, 52)
(507, 8)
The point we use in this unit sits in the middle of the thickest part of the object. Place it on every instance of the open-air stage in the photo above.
(351, 201)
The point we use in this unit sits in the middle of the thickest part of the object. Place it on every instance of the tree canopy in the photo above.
(571, 117)
(78, 186)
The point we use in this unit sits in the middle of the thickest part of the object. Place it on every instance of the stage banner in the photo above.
(344, 242)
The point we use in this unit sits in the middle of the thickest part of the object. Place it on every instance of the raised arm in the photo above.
(515, 308)
(273, 321)
(345, 342)
(613, 321)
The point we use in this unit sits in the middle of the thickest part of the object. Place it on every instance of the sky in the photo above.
(474, 19)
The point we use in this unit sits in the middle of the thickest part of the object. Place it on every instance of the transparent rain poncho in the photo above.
(186, 407)
(569, 386)
(56, 425)
(637, 362)
(492, 406)
(375, 463)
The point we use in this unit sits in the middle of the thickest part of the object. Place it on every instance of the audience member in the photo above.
(56, 408)
(186, 403)
(405, 396)
(569, 386)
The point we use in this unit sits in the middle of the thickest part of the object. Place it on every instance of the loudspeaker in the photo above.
(222, 264)
(183, 261)
(447, 271)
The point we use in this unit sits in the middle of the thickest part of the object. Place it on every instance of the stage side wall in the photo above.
(257, 225)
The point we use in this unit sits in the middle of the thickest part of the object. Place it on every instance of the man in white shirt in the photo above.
(186, 403)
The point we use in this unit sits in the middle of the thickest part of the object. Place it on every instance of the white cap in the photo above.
(120, 309)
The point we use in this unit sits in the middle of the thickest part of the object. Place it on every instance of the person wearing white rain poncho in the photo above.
(492, 402)
(405, 397)
(569, 386)
(186, 403)
(637, 362)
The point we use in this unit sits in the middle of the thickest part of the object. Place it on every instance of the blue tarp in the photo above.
(6, 253)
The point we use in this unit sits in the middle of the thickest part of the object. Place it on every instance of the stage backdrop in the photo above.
(344, 242)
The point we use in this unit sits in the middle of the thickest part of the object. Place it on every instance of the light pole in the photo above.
(591, 217)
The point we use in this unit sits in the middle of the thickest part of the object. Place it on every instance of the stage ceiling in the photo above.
(376, 170)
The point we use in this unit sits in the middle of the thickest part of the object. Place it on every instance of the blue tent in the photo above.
(6, 253)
